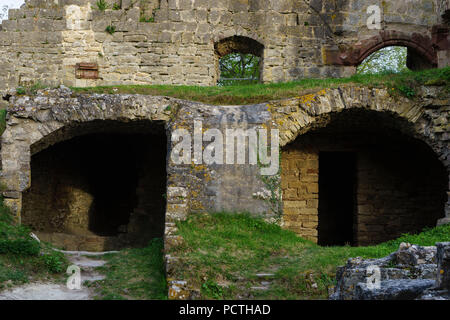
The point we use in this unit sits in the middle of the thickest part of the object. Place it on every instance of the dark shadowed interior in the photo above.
(105, 187)
(360, 178)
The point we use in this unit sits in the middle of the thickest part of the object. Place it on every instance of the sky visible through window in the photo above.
(8, 4)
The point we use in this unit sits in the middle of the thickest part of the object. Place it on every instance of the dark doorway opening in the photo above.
(337, 186)
(100, 191)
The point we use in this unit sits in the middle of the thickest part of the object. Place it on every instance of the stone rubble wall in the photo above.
(44, 40)
(35, 123)
(54, 115)
(411, 273)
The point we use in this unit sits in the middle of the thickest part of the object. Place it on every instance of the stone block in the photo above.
(443, 265)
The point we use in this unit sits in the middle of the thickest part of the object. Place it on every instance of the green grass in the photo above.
(404, 84)
(2, 121)
(134, 274)
(23, 259)
(223, 252)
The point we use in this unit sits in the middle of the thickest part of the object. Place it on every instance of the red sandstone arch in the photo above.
(419, 44)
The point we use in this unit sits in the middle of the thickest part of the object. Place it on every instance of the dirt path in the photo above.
(53, 291)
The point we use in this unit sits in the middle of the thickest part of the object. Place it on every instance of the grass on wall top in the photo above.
(404, 84)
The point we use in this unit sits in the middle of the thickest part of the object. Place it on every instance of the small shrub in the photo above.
(407, 91)
(22, 247)
(17, 276)
(21, 90)
(15, 239)
(2, 129)
(111, 29)
(147, 19)
(116, 6)
(54, 262)
(102, 5)
(5, 215)
(212, 289)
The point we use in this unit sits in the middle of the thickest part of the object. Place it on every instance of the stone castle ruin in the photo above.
(95, 171)
(180, 41)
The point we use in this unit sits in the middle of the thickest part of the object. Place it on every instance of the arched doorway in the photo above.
(360, 180)
(100, 187)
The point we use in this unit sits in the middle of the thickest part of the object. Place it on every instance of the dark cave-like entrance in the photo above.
(99, 191)
(361, 179)
(337, 198)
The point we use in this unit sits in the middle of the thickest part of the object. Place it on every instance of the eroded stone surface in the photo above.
(407, 274)
(182, 41)
(35, 123)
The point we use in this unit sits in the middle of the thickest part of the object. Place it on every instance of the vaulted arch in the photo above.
(363, 158)
(87, 177)
(421, 52)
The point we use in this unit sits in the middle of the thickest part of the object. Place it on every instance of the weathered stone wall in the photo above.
(59, 199)
(411, 273)
(300, 184)
(45, 40)
(35, 123)
(400, 191)
(110, 185)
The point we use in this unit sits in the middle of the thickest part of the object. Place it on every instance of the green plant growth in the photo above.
(30, 89)
(239, 69)
(212, 289)
(134, 274)
(22, 257)
(273, 186)
(147, 19)
(111, 29)
(225, 251)
(117, 6)
(2, 121)
(102, 5)
(21, 91)
(259, 93)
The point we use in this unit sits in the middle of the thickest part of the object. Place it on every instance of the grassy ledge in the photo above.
(223, 253)
(404, 84)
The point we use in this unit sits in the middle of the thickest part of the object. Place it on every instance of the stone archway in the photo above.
(310, 126)
(100, 190)
(90, 175)
(421, 51)
(360, 180)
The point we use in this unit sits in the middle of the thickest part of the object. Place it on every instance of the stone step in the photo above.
(259, 288)
(265, 276)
